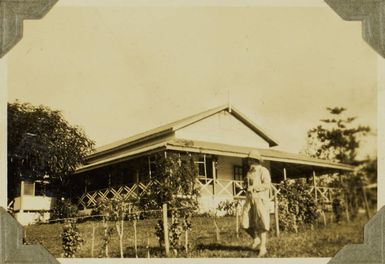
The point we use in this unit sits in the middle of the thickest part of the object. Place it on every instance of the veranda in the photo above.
(220, 178)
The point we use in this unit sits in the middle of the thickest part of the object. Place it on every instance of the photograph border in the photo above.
(293, 3)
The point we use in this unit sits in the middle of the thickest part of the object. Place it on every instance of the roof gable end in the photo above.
(177, 125)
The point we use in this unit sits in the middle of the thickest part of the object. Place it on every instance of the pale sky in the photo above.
(117, 71)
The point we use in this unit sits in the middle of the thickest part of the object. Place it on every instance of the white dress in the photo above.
(256, 207)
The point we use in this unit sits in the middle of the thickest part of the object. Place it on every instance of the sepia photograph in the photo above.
(192, 130)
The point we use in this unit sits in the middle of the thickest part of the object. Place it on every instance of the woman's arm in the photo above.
(247, 183)
(265, 181)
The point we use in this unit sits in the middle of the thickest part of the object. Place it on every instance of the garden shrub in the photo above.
(338, 208)
(180, 223)
(176, 186)
(229, 207)
(297, 207)
(117, 210)
(106, 238)
(64, 209)
(71, 238)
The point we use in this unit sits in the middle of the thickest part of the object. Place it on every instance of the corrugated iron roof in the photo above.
(217, 149)
(267, 154)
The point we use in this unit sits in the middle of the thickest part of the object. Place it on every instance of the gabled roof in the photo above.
(174, 126)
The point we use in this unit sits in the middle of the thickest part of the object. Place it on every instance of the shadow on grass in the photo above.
(144, 252)
(217, 246)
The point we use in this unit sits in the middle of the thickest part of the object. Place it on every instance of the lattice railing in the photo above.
(89, 200)
(234, 188)
(231, 188)
(323, 194)
(221, 187)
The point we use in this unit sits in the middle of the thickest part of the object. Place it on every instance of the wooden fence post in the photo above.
(135, 240)
(324, 217)
(315, 187)
(217, 231)
(186, 240)
(366, 202)
(346, 199)
(237, 220)
(276, 213)
(148, 247)
(347, 208)
(93, 240)
(165, 230)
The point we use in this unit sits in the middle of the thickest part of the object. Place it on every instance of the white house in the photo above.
(221, 137)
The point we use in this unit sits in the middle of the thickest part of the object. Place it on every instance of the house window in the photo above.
(29, 188)
(238, 177)
(205, 167)
(201, 166)
(151, 166)
(40, 188)
(238, 173)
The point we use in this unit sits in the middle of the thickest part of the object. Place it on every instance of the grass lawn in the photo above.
(319, 242)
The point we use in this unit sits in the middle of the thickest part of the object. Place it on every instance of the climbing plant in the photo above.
(176, 186)
(297, 207)
(71, 238)
(115, 210)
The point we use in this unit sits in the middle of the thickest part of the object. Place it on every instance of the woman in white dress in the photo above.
(256, 209)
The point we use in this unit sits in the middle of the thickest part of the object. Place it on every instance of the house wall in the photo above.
(223, 186)
(223, 128)
(28, 218)
(30, 202)
(225, 167)
(31, 209)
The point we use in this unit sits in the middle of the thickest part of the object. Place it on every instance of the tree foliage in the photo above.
(336, 138)
(63, 208)
(175, 186)
(40, 143)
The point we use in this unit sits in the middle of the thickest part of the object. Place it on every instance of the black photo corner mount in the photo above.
(12, 15)
(372, 250)
(372, 15)
(370, 12)
(12, 249)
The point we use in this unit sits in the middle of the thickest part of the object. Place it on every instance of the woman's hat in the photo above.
(254, 154)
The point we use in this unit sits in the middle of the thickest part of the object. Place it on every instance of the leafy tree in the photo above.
(175, 183)
(367, 172)
(176, 186)
(42, 144)
(336, 138)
